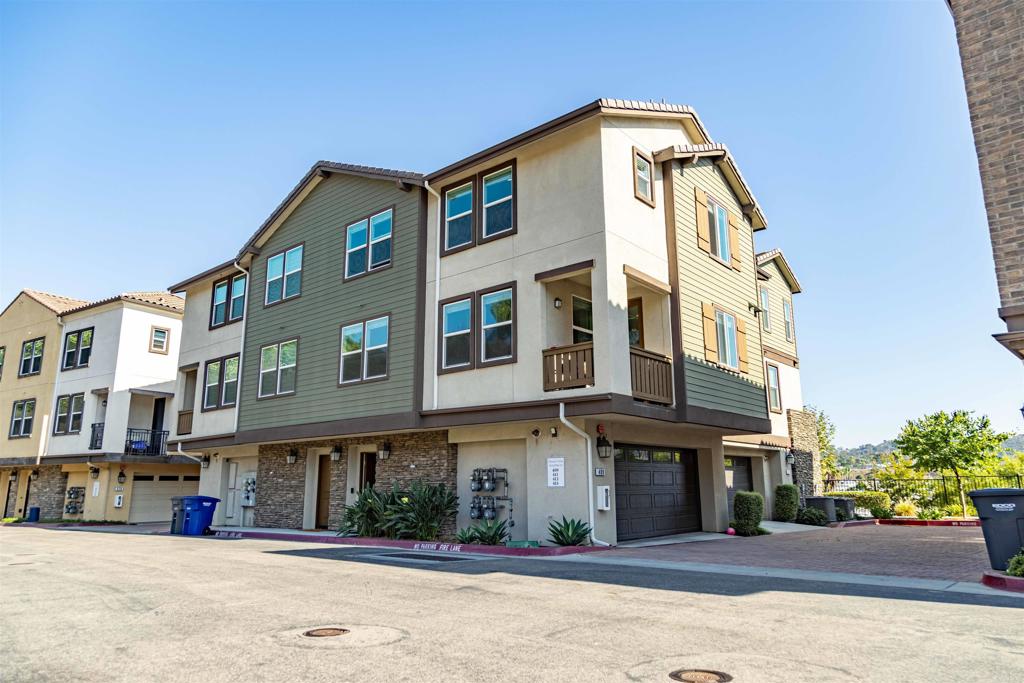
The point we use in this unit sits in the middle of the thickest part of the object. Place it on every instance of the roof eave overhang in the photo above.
(209, 274)
(724, 161)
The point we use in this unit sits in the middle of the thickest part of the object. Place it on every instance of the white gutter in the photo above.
(437, 283)
(590, 471)
(198, 459)
(241, 348)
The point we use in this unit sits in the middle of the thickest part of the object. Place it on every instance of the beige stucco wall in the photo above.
(215, 480)
(27, 319)
(100, 493)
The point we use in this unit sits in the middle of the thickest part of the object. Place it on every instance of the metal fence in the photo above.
(935, 491)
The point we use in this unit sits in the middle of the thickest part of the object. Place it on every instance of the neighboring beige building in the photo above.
(30, 337)
(991, 38)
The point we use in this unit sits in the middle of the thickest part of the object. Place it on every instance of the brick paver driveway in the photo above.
(954, 553)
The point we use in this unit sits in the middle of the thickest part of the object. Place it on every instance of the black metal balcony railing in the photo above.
(96, 439)
(145, 442)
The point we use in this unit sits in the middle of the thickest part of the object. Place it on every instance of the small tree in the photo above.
(826, 443)
(955, 442)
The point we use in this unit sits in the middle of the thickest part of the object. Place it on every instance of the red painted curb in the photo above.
(856, 522)
(931, 522)
(1003, 581)
(435, 546)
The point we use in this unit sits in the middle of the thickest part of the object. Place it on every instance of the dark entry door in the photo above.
(156, 437)
(323, 492)
(656, 492)
(367, 470)
(738, 477)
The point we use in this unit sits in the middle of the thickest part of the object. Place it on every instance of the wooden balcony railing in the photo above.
(652, 376)
(569, 367)
(184, 422)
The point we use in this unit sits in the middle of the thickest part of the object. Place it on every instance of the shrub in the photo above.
(905, 508)
(881, 513)
(954, 510)
(490, 532)
(787, 501)
(812, 516)
(569, 532)
(866, 499)
(466, 535)
(929, 513)
(1015, 567)
(420, 513)
(748, 508)
(841, 515)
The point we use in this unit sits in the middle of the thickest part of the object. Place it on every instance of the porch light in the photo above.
(336, 453)
(790, 458)
(204, 462)
(292, 456)
(13, 476)
(384, 452)
(604, 446)
(94, 472)
(34, 475)
(554, 432)
(121, 477)
(558, 302)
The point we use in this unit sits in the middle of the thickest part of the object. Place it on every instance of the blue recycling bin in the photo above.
(33, 514)
(198, 512)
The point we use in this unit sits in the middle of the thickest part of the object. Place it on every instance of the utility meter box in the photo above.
(604, 497)
(119, 500)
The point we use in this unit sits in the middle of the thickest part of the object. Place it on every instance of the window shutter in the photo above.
(703, 230)
(734, 239)
(741, 344)
(710, 334)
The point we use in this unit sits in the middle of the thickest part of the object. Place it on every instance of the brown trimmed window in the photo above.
(364, 350)
(643, 176)
(497, 325)
(458, 217)
(477, 329)
(480, 208)
(284, 275)
(68, 414)
(22, 416)
(787, 317)
(497, 203)
(31, 357)
(220, 383)
(766, 317)
(278, 368)
(227, 304)
(3, 354)
(159, 340)
(368, 244)
(774, 390)
(77, 349)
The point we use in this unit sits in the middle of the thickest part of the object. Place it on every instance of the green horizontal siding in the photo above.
(327, 302)
(708, 386)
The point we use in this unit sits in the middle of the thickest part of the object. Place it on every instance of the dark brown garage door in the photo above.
(738, 477)
(656, 491)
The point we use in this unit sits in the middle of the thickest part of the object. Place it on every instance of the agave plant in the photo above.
(491, 532)
(569, 532)
(466, 535)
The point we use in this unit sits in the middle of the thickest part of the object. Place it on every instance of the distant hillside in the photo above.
(873, 452)
(1015, 443)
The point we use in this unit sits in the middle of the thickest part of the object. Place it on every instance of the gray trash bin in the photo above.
(847, 506)
(826, 504)
(177, 514)
(1002, 521)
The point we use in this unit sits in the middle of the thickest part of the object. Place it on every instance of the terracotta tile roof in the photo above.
(766, 256)
(164, 300)
(55, 302)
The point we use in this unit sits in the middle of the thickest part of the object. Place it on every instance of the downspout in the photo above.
(198, 459)
(590, 471)
(241, 349)
(437, 284)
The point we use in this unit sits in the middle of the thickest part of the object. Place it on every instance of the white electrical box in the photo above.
(119, 500)
(604, 497)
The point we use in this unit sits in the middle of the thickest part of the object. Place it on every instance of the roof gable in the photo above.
(776, 256)
(726, 165)
(55, 303)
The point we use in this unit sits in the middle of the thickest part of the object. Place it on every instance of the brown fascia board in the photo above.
(324, 169)
(209, 273)
(601, 106)
(783, 265)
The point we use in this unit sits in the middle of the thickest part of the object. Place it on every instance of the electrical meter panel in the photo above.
(249, 491)
(74, 501)
(484, 482)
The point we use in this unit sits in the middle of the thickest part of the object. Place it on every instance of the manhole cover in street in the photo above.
(325, 632)
(699, 676)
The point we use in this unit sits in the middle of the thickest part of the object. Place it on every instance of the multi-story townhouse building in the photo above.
(209, 373)
(103, 454)
(573, 312)
(30, 335)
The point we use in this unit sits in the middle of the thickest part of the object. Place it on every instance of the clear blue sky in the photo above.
(141, 143)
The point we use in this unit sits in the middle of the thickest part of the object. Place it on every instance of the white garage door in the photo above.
(152, 493)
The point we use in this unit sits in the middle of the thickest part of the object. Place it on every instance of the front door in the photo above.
(156, 442)
(367, 470)
(323, 492)
(635, 318)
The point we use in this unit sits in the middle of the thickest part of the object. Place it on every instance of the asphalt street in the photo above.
(118, 607)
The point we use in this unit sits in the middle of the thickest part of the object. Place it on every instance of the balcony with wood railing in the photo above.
(652, 376)
(569, 367)
(184, 422)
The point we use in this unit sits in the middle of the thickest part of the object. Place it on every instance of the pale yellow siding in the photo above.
(778, 291)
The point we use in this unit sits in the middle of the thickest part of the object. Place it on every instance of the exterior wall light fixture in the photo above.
(94, 472)
(34, 475)
(790, 458)
(204, 462)
(121, 476)
(384, 452)
(558, 302)
(292, 456)
(604, 446)
(336, 453)
(13, 476)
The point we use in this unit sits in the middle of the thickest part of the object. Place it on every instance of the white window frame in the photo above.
(367, 348)
(362, 344)
(21, 433)
(777, 388)
(719, 229)
(224, 380)
(226, 284)
(364, 349)
(370, 242)
(638, 156)
(722, 331)
(575, 327)
(766, 316)
(32, 356)
(219, 364)
(484, 235)
(449, 218)
(445, 335)
(153, 347)
(787, 316)
(79, 347)
(285, 273)
(278, 367)
(510, 323)
(69, 414)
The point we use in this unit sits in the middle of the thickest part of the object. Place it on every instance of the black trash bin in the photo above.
(177, 514)
(1002, 521)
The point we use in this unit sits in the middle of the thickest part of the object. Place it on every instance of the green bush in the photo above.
(905, 508)
(569, 532)
(866, 499)
(929, 513)
(748, 508)
(1015, 567)
(812, 516)
(415, 514)
(466, 535)
(841, 515)
(490, 532)
(881, 513)
(954, 510)
(787, 502)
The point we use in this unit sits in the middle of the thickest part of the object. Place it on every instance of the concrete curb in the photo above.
(1003, 581)
(930, 522)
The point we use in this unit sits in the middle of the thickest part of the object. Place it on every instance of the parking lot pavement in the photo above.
(950, 553)
(116, 607)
